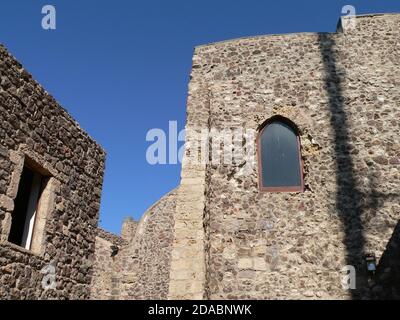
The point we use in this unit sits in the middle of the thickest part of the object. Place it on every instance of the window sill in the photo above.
(281, 189)
(18, 248)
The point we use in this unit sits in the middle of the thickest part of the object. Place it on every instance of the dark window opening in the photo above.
(280, 166)
(26, 204)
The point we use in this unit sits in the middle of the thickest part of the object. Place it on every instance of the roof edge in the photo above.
(293, 34)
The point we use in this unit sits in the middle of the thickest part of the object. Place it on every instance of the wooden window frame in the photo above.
(261, 188)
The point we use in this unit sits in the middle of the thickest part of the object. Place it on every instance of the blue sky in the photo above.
(122, 67)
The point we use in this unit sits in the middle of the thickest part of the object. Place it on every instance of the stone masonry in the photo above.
(232, 241)
(342, 92)
(36, 131)
(217, 236)
(105, 283)
(139, 268)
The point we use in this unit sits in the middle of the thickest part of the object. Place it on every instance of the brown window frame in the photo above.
(261, 129)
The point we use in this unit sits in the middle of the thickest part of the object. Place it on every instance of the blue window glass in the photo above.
(279, 156)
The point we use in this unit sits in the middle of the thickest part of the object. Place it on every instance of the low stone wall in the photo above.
(140, 268)
(105, 280)
(146, 261)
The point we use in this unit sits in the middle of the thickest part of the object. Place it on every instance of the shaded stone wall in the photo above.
(106, 269)
(35, 129)
(342, 91)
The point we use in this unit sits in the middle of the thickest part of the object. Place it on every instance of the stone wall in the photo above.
(218, 236)
(129, 228)
(106, 271)
(34, 129)
(187, 274)
(140, 269)
(342, 91)
(146, 260)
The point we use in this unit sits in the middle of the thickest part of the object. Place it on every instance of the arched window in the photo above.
(279, 158)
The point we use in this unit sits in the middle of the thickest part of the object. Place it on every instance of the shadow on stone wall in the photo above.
(386, 281)
(387, 277)
(351, 203)
(348, 197)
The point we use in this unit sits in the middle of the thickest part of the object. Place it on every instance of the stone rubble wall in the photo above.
(34, 126)
(105, 283)
(218, 236)
(146, 261)
(187, 274)
(140, 269)
(129, 228)
(342, 90)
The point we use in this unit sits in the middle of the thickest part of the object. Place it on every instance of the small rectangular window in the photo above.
(26, 207)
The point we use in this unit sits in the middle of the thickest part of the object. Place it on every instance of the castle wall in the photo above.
(145, 262)
(34, 129)
(218, 236)
(129, 228)
(342, 91)
(106, 268)
(187, 273)
(140, 268)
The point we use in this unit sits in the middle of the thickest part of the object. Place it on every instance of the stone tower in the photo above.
(341, 90)
(223, 237)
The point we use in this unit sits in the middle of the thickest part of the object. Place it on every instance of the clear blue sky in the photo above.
(122, 67)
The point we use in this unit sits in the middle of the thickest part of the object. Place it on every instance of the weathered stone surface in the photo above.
(342, 91)
(140, 269)
(6, 203)
(106, 269)
(217, 236)
(231, 241)
(33, 126)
